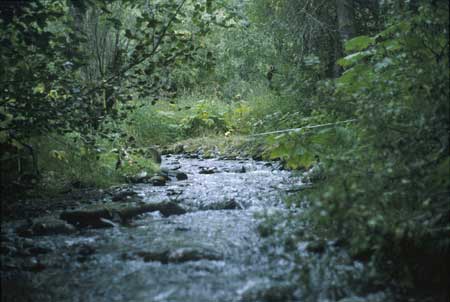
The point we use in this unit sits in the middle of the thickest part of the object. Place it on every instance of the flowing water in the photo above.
(208, 254)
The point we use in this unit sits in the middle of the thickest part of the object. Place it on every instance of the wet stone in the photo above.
(176, 167)
(207, 170)
(181, 176)
(101, 217)
(174, 191)
(224, 205)
(182, 229)
(188, 254)
(242, 169)
(158, 180)
(257, 157)
(46, 226)
(162, 257)
(173, 173)
(177, 256)
(171, 208)
(126, 195)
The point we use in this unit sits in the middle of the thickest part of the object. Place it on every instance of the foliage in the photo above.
(202, 118)
(76, 67)
(67, 163)
(34, 100)
(389, 183)
(111, 78)
(154, 125)
(384, 187)
(405, 142)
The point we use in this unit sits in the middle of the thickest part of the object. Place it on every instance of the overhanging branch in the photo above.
(141, 60)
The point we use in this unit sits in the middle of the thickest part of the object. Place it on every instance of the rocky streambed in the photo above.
(194, 238)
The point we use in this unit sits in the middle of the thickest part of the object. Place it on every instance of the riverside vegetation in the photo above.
(91, 92)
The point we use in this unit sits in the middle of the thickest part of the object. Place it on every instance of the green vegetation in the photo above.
(83, 83)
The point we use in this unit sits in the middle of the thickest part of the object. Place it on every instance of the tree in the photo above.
(345, 10)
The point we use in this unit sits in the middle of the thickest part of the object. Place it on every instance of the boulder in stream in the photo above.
(141, 177)
(180, 255)
(190, 254)
(172, 173)
(207, 170)
(230, 204)
(100, 218)
(158, 180)
(181, 176)
(45, 226)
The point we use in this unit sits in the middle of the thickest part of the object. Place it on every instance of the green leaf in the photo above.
(358, 43)
(354, 58)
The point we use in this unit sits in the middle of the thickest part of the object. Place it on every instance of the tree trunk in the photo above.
(345, 17)
(345, 23)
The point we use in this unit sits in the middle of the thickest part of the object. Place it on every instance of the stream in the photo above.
(214, 252)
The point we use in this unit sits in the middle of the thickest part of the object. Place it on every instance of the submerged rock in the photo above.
(189, 254)
(162, 257)
(44, 227)
(207, 170)
(224, 205)
(177, 256)
(242, 169)
(171, 208)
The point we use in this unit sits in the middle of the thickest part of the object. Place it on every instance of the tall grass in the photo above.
(65, 162)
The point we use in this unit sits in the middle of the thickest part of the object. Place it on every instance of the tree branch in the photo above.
(138, 62)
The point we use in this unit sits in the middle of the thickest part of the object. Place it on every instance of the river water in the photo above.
(212, 253)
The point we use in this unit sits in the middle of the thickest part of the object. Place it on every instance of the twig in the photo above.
(131, 66)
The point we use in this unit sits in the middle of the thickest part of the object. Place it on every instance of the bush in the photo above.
(387, 192)
(205, 117)
(154, 125)
(65, 162)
